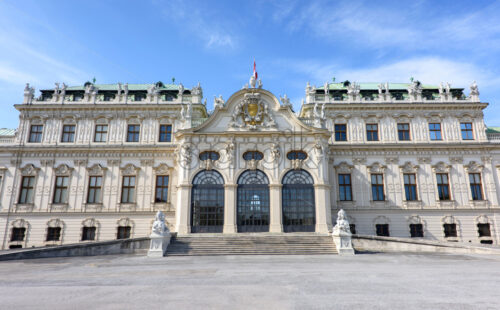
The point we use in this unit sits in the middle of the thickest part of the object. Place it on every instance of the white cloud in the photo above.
(428, 70)
(198, 24)
(418, 27)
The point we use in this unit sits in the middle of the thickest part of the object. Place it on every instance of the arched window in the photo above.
(255, 155)
(298, 205)
(207, 202)
(253, 202)
(292, 155)
(212, 155)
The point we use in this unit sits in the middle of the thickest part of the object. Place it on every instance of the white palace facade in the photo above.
(95, 162)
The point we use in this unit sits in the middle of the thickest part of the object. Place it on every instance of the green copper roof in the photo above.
(493, 130)
(7, 132)
(131, 87)
(374, 86)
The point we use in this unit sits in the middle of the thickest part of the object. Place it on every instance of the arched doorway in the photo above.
(253, 202)
(207, 202)
(299, 212)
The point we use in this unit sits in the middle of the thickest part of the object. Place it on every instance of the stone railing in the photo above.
(307, 121)
(7, 140)
(197, 122)
(493, 137)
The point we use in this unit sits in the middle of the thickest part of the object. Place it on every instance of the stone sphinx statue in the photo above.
(342, 234)
(159, 227)
(160, 236)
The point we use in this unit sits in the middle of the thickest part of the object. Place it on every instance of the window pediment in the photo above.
(377, 168)
(20, 223)
(344, 167)
(54, 223)
(473, 166)
(130, 169)
(441, 167)
(408, 167)
(90, 222)
(162, 169)
(96, 169)
(63, 170)
(29, 170)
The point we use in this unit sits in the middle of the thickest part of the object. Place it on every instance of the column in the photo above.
(323, 208)
(183, 209)
(230, 208)
(276, 225)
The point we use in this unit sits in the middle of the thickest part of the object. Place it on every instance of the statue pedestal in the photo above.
(343, 242)
(158, 245)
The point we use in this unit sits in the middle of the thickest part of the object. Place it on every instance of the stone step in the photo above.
(251, 245)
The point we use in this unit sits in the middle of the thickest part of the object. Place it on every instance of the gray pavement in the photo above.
(367, 281)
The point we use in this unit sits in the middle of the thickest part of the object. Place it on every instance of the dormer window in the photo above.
(253, 155)
(293, 155)
(212, 155)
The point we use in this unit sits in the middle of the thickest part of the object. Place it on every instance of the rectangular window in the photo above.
(68, 133)
(377, 187)
(484, 230)
(101, 133)
(416, 230)
(53, 233)
(61, 190)
(139, 96)
(450, 230)
(340, 132)
(382, 230)
(88, 233)
(435, 131)
(95, 188)
(123, 232)
(128, 189)
(372, 132)
(345, 189)
(133, 133)
(165, 133)
(35, 134)
(17, 234)
(352, 228)
(410, 187)
(404, 132)
(475, 186)
(27, 189)
(161, 188)
(467, 133)
(443, 186)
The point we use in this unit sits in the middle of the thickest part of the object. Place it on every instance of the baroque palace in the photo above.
(95, 162)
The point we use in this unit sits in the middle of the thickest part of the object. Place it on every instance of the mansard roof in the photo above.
(7, 132)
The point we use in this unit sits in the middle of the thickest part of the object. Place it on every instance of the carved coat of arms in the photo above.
(252, 112)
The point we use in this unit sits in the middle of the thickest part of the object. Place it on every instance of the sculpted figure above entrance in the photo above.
(252, 112)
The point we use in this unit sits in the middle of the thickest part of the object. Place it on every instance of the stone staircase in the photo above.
(251, 244)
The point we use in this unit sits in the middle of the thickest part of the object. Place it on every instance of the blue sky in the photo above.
(215, 42)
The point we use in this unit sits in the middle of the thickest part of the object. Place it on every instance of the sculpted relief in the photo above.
(252, 113)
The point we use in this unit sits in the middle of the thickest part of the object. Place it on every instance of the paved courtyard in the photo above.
(369, 281)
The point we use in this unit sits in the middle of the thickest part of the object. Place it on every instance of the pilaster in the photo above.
(276, 218)
(230, 208)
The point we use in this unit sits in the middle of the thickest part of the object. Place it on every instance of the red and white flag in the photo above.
(255, 75)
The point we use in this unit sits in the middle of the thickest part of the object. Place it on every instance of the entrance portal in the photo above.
(207, 202)
(253, 202)
(298, 206)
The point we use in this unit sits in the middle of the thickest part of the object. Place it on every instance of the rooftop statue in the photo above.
(218, 102)
(252, 81)
(474, 91)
